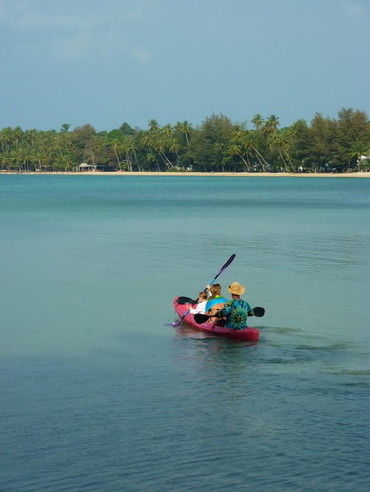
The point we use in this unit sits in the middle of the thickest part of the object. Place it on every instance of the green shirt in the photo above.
(236, 312)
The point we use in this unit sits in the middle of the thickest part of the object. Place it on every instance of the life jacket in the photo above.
(215, 300)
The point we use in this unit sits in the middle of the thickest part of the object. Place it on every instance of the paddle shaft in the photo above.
(176, 323)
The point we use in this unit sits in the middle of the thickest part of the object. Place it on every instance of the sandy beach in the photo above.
(364, 174)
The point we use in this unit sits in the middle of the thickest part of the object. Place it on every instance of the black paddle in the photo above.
(203, 318)
(176, 323)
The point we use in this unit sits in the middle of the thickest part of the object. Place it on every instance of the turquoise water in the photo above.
(100, 392)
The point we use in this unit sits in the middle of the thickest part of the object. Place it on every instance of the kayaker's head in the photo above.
(215, 290)
(236, 289)
(203, 296)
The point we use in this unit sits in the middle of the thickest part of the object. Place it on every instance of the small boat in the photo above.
(248, 334)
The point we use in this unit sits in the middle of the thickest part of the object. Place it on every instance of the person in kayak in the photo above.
(200, 307)
(236, 310)
(216, 301)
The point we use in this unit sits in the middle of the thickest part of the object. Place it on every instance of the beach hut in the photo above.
(85, 167)
(91, 167)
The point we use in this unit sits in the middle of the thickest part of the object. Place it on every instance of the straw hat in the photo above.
(236, 289)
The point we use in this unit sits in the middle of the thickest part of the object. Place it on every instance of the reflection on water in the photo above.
(279, 414)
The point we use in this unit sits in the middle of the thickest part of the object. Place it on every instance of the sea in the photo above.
(100, 392)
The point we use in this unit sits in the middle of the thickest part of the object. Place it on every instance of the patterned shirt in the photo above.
(236, 312)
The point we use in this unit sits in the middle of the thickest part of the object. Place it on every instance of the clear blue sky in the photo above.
(105, 62)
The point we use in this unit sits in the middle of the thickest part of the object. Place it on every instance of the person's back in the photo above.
(216, 301)
(236, 310)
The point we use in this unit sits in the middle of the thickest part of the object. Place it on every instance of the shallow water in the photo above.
(100, 392)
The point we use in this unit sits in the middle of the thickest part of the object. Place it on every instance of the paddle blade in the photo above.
(186, 300)
(230, 260)
(258, 311)
(201, 318)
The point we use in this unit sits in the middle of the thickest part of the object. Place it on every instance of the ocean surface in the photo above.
(99, 392)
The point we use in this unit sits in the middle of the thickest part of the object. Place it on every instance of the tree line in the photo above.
(339, 144)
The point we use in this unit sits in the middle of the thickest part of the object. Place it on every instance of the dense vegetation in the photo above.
(218, 144)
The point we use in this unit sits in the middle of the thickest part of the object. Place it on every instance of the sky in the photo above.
(106, 62)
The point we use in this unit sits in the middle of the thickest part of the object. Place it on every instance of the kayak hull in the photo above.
(248, 334)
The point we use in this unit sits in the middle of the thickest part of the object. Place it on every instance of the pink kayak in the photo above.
(248, 334)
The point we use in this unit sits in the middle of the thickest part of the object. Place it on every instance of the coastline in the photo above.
(364, 174)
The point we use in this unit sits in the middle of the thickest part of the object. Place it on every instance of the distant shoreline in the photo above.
(365, 174)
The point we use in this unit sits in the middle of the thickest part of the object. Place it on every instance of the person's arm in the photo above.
(197, 309)
(248, 308)
(225, 310)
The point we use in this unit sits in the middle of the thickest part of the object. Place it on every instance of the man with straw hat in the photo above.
(236, 310)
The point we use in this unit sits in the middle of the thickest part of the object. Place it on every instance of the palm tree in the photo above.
(271, 125)
(65, 127)
(279, 144)
(117, 146)
(153, 125)
(128, 146)
(184, 128)
(17, 135)
(240, 146)
(6, 138)
(257, 121)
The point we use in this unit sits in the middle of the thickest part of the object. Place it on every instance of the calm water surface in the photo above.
(100, 392)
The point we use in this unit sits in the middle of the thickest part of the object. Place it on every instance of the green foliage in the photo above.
(218, 144)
